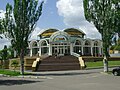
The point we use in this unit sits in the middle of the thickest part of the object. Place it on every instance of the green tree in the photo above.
(4, 56)
(116, 9)
(5, 53)
(19, 26)
(102, 14)
(10, 52)
(0, 27)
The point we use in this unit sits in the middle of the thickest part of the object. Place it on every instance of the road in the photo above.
(64, 80)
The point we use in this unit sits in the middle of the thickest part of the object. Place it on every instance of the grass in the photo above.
(89, 65)
(8, 72)
(11, 73)
(100, 64)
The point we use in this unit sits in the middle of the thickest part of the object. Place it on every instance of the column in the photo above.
(63, 49)
(82, 50)
(91, 51)
(100, 52)
(30, 52)
(15, 53)
(71, 48)
(50, 49)
(39, 51)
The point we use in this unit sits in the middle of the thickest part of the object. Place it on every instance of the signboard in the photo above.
(60, 39)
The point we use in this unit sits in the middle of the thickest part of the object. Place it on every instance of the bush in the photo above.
(117, 47)
(14, 64)
(112, 47)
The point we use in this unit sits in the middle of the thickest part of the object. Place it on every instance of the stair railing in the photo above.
(75, 54)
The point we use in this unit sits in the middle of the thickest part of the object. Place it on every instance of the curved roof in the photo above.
(74, 31)
(48, 32)
(70, 31)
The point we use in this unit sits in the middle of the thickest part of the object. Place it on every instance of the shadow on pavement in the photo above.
(16, 82)
(65, 74)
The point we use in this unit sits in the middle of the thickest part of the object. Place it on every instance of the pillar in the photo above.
(39, 51)
(31, 52)
(100, 52)
(82, 50)
(91, 51)
(71, 48)
(50, 50)
(15, 53)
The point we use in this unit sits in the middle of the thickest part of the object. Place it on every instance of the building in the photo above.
(65, 42)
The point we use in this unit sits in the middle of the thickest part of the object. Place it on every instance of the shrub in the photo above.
(14, 64)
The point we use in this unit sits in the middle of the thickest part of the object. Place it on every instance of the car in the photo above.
(116, 71)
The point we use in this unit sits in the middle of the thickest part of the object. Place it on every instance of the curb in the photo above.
(31, 77)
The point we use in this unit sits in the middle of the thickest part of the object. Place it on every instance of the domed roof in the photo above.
(74, 31)
(47, 32)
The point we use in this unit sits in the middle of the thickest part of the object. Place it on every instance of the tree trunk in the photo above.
(106, 57)
(22, 62)
(105, 62)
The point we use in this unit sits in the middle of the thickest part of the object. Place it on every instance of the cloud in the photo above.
(35, 33)
(3, 42)
(90, 30)
(73, 13)
(2, 14)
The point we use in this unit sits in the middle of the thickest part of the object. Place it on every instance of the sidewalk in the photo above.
(45, 75)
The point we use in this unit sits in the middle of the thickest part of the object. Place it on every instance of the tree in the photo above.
(19, 23)
(0, 27)
(102, 14)
(5, 53)
(116, 9)
(4, 56)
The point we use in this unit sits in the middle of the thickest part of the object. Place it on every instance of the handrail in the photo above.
(75, 54)
(44, 56)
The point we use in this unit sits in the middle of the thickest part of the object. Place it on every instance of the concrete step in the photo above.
(58, 64)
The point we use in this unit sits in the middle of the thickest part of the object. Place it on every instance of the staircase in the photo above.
(60, 63)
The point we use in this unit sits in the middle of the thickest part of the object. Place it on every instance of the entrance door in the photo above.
(60, 49)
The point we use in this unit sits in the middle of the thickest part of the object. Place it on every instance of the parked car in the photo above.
(116, 71)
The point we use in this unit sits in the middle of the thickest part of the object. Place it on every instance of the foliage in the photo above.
(117, 15)
(112, 47)
(10, 52)
(5, 53)
(0, 27)
(3, 56)
(21, 24)
(14, 64)
(102, 14)
(116, 47)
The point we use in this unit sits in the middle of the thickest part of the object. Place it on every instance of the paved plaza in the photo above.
(63, 80)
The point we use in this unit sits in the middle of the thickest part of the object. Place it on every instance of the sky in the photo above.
(58, 14)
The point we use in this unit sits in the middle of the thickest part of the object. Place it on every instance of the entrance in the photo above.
(61, 49)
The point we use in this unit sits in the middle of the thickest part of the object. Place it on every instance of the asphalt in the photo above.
(45, 74)
(92, 79)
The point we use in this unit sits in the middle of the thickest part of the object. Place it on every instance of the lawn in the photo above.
(12, 73)
(89, 65)
(8, 72)
(100, 64)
